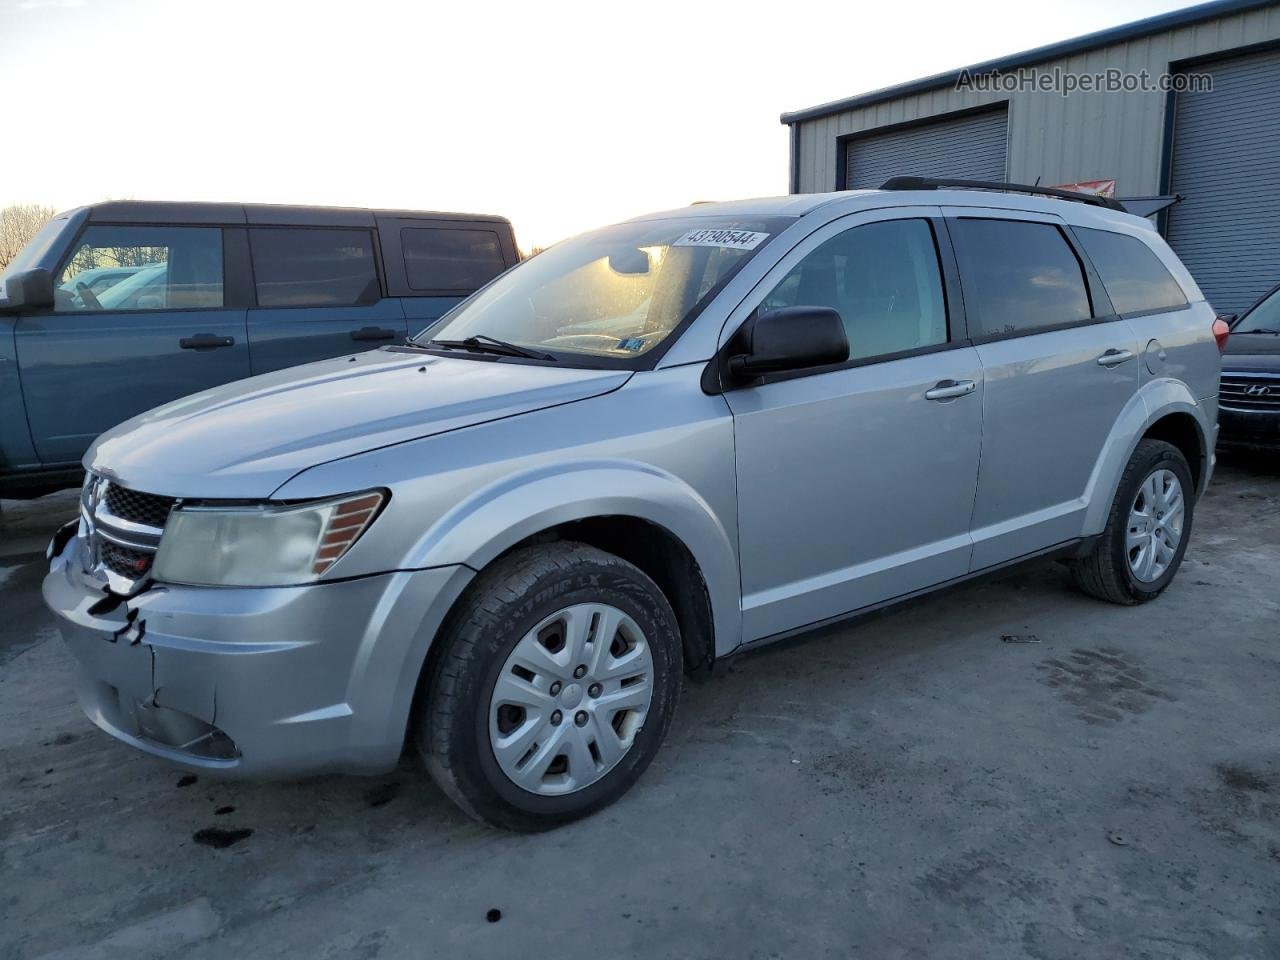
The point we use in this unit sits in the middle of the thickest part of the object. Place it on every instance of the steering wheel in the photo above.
(88, 297)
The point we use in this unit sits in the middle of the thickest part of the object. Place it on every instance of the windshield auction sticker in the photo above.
(735, 239)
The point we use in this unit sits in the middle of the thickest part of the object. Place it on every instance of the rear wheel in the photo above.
(554, 689)
(1147, 530)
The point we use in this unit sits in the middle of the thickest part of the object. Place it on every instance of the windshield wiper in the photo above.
(482, 343)
(1275, 332)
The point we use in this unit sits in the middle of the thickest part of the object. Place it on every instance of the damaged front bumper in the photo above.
(253, 681)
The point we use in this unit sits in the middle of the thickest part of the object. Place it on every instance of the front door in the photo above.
(107, 353)
(856, 484)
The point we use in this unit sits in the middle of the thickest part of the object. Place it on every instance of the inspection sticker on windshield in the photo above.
(736, 239)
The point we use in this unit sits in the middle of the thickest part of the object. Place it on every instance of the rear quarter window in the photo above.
(440, 259)
(1135, 279)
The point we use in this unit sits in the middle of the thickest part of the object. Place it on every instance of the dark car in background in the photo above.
(119, 307)
(1249, 397)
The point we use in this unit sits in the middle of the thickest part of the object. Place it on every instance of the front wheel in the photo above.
(1147, 530)
(554, 689)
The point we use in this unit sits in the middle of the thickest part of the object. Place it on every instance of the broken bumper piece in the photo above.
(160, 730)
(254, 681)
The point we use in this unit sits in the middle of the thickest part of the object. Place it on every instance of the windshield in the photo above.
(611, 296)
(1265, 316)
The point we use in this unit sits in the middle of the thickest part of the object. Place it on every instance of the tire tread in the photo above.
(1097, 574)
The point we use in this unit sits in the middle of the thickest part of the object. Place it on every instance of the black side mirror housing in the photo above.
(28, 290)
(788, 339)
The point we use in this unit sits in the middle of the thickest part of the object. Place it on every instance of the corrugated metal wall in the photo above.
(971, 146)
(1059, 139)
(1226, 164)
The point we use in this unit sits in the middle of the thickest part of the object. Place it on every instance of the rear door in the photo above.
(1059, 367)
(318, 295)
(168, 330)
(435, 263)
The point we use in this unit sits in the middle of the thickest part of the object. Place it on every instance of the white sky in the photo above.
(561, 116)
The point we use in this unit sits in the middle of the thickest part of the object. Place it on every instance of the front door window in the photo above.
(126, 268)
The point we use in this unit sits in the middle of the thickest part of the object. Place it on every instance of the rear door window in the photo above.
(1018, 277)
(1135, 279)
(313, 267)
(128, 268)
(461, 260)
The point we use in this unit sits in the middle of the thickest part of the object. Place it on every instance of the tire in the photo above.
(1107, 572)
(459, 716)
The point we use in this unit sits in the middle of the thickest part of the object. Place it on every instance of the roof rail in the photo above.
(934, 183)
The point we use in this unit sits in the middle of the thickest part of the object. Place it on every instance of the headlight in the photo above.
(262, 546)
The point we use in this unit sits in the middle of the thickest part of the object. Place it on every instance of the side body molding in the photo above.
(496, 517)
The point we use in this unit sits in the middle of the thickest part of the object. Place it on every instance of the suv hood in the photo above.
(1254, 344)
(245, 439)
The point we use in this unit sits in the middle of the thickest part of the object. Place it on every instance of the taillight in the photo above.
(1221, 331)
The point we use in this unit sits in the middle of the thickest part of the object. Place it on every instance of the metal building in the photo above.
(1218, 149)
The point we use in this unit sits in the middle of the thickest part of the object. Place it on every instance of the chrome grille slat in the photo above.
(1246, 403)
(127, 540)
(126, 527)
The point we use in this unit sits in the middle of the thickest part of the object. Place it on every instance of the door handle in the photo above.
(950, 389)
(206, 341)
(1114, 357)
(372, 333)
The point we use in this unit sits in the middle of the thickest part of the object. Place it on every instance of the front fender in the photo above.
(1154, 400)
(500, 515)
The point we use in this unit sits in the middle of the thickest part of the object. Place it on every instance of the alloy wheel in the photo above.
(1155, 525)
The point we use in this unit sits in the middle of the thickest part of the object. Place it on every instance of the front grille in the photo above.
(125, 561)
(149, 509)
(1244, 392)
(125, 527)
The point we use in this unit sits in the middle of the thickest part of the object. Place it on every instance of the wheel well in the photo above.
(666, 561)
(1181, 430)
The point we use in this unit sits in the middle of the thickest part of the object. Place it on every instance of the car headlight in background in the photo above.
(262, 546)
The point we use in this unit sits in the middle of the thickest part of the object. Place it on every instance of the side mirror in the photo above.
(790, 338)
(27, 290)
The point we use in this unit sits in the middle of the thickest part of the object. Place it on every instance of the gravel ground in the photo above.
(908, 786)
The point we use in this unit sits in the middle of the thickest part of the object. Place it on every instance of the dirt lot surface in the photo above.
(908, 786)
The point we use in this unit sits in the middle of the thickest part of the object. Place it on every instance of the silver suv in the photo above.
(638, 452)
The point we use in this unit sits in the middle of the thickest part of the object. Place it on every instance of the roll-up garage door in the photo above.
(972, 147)
(1226, 165)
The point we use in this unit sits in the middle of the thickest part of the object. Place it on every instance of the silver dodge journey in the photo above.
(510, 538)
